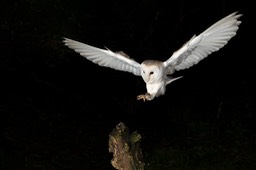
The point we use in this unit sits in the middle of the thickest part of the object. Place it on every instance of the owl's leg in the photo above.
(145, 97)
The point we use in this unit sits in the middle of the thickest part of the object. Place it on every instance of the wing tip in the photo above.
(236, 15)
(66, 41)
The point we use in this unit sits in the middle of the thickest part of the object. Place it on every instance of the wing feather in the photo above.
(199, 47)
(105, 58)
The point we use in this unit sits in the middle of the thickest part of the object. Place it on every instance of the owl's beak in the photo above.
(146, 79)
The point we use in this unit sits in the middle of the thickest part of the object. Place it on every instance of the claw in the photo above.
(144, 97)
(141, 97)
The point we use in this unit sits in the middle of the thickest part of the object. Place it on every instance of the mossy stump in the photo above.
(127, 154)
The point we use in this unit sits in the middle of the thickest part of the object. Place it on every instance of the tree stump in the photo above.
(127, 154)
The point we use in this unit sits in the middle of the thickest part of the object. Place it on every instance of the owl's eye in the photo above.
(151, 72)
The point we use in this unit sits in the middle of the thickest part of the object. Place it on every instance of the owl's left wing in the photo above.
(106, 58)
(199, 47)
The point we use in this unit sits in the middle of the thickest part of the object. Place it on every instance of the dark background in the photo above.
(57, 109)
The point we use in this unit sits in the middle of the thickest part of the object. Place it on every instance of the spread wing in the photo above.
(199, 47)
(106, 58)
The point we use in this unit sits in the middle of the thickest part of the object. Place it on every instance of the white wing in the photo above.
(199, 47)
(105, 58)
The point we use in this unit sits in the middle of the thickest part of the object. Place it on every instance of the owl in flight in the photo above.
(156, 73)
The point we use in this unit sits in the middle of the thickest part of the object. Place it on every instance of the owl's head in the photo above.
(152, 71)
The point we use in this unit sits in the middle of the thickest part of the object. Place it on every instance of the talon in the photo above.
(141, 97)
(144, 97)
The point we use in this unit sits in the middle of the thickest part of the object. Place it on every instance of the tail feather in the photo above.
(170, 80)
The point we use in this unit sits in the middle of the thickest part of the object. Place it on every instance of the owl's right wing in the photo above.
(106, 58)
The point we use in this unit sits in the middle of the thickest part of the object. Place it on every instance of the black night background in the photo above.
(57, 108)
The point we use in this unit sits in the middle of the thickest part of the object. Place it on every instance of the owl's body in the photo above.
(156, 73)
(156, 78)
(155, 86)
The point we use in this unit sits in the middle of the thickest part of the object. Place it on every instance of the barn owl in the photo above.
(156, 73)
